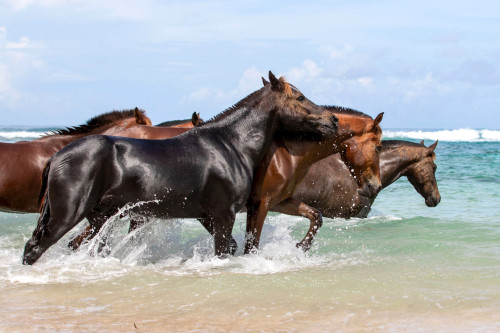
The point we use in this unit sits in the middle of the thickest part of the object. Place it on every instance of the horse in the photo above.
(95, 176)
(188, 123)
(328, 188)
(21, 163)
(164, 130)
(287, 162)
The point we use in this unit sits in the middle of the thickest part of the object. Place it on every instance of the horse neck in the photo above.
(395, 162)
(248, 131)
(309, 152)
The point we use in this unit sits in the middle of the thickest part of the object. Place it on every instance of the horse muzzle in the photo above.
(370, 190)
(432, 201)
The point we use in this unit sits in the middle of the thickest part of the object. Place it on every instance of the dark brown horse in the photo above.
(287, 162)
(21, 163)
(328, 187)
(95, 176)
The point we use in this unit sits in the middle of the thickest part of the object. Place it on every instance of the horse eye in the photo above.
(379, 149)
(301, 98)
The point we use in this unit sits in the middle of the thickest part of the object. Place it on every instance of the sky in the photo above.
(425, 64)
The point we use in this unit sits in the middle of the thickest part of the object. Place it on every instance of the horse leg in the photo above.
(137, 222)
(96, 221)
(208, 225)
(294, 207)
(50, 228)
(76, 242)
(222, 227)
(256, 215)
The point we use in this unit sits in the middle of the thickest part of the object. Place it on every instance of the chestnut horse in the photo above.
(21, 163)
(328, 188)
(95, 176)
(287, 162)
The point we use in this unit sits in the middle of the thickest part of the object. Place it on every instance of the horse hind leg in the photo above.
(49, 230)
(294, 207)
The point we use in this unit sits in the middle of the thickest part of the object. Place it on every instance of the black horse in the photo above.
(204, 173)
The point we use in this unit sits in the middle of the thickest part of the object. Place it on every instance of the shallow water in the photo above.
(407, 267)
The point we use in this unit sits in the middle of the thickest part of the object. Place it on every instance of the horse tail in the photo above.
(43, 189)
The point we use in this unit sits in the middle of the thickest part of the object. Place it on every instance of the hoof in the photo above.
(303, 247)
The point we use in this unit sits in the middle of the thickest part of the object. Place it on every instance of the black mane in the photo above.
(173, 122)
(388, 144)
(96, 122)
(232, 109)
(344, 110)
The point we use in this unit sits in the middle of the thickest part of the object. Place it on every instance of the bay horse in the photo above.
(22, 163)
(287, 162)
(328, 188)
(95, 176)
(188, 123)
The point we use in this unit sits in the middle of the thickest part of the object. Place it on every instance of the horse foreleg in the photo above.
(222, 227)
(294, 207)
(208, 225)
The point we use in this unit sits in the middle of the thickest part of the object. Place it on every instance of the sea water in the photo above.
(405, 268)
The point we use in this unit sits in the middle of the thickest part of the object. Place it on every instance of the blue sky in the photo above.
(426, 64)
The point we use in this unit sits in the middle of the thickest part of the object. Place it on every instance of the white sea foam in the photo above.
(162, 247)
(20, 135)
(455, 135)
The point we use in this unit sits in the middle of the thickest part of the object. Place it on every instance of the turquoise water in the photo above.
(406, 267)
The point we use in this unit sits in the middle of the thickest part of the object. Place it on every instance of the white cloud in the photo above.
(306, 72)
(15, 62)
(249, 82)
(24, 42)
(8, 94)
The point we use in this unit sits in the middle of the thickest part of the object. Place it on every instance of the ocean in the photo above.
(406, 267)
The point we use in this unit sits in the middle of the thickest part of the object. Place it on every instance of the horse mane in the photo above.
(173, 122)
(344, 110)
(390, 144)
(232, 109)
(96, 122)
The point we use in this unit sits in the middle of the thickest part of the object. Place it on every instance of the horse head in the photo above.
(361, 153)
(296, 113)
(422, 175)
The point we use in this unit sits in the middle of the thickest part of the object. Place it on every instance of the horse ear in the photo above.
(139, 117)
(276, 84)
(431, 148)
(378, 119)
(422, 142)
(265, 82)
(195, 118)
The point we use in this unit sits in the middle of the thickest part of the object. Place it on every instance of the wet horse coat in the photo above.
(206, 172)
